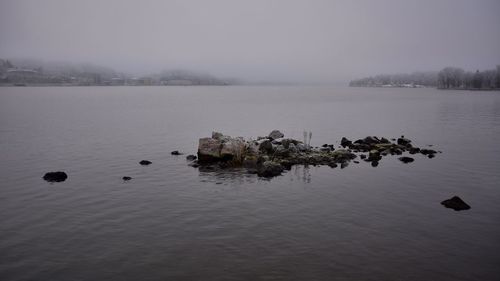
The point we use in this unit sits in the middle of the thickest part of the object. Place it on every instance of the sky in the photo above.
(281, 40)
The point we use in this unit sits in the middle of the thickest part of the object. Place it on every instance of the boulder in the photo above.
(266, 147)
(455, 203)
(55, 176)
(209, 150)
(275, 134)
(233, 149)
(270, 169)
(217, 135)
(145, 162)
(406, 159)
(403, 141)
(175, 152)
(345, 142)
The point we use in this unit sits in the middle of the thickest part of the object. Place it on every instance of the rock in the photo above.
(403, 141)
(55, 176)
(374, 155)
(175, 152)
(384, 140)
(362, 156)
(431, 156)
(302, 147)
(126, 178)
(414, 150)
(145, 162)
(217, 135)
(191, 157)
(455, 203)
(427, 151)
(270, 169)
(275, 134)
(292, 148)
(209, 150)
(332, 165)
(374, 163)
(344, 165)
(266, 147)
(371, 140)
(281, 151)
(233, 149)
(406, 159)
(344, 142)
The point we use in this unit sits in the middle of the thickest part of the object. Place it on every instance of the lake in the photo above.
(174, 222)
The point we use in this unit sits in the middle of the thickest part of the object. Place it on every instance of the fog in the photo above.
(296, 41)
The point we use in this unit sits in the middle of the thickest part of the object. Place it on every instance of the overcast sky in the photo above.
(287, 40)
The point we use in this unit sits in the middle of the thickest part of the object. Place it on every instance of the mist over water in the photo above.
(291, 41)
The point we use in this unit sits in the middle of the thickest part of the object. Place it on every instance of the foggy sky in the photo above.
(303, 41)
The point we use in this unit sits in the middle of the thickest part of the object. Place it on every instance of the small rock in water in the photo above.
(55, 176)
(270, 169)
(175, 152)
(343, 165)
(374, 163)
(191, 157)
(126, 178)
(455, 203)
(406, 159)
(145, 162)
(333, 165)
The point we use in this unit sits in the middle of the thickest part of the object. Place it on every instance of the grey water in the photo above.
(174, 222)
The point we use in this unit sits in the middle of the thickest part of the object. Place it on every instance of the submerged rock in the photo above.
(270, 169)
(406, 159)
(175, 152)
(145, 162)
(455, 203)
(55, 176)
(126, 178)
(191, 157)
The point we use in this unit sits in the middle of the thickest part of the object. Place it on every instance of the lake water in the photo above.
(173, 222)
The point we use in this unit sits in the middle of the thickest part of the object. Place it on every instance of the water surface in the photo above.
(173, 222)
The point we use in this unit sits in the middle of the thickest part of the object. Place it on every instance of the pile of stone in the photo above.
(270, 156)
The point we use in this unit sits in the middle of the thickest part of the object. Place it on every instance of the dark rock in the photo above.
(126, 178)
(344, 165)
(371, 140)
(55, 176)
(275, 134)
(455, 203)
(374, 155)
(145, 162)
(427, 151)
(414, 150)
(333, 165)
(406, 159)
(403, 141)
(270, 169)
(362, 156)
(356, 162)
(217, 135)
(374, 163)
(431, 155)
(345, 142)
(384, 140)
(175, 152)
(266, 147)
(191, 157)
(209, 150)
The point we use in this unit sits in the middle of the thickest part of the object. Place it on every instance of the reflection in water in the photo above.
(234, 176)
(302, 173)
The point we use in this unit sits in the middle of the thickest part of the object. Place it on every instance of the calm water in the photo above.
(173, 222)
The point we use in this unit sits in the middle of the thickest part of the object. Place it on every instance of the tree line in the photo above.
(447, 78)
